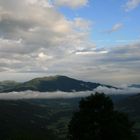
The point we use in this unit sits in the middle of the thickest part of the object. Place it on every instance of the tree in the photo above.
(97, 120)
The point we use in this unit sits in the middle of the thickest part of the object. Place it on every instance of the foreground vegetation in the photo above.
(48, 119)
(97, 120)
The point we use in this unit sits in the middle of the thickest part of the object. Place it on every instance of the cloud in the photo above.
(38, 37)
(59, 94)
(112, 65)
(90, 51)
(38, 40)
(44, 95)
(117, 65)
(113, 91)
(131, 4)
(115, 28)
(72, 4)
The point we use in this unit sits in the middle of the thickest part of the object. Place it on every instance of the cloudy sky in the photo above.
(92, 40)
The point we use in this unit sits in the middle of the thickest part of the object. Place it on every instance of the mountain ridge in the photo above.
(135, 86)
(54, 83)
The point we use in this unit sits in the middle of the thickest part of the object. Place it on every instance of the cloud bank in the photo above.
(43, 38)
(59, 94)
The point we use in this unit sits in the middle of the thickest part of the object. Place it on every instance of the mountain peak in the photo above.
(54, 83)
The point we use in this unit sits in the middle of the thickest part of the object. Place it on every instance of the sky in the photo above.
(92, 40)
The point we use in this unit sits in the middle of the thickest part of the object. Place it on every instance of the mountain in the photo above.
(7, 84)
(135, 86)
(54, 83)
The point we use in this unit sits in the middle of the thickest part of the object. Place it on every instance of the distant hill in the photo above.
(53, 83)
(130, 105)
(7, 84)
(135, 86)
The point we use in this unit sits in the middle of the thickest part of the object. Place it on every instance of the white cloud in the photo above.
(60, 94)
(42, 38)
(113, 91)
(43, 95)
(43, 3)
(79, 23)
(44, 57)
(131, 4)
(91, 52)
(72, 4)
(115, 28)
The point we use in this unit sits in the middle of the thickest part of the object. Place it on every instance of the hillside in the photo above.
(7, 84)
(131, 106)
(35, 119)
(135, 86)
(53, 83)
(21, 119)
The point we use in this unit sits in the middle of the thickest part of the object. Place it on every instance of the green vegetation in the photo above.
(35, 119)
(30, 119)
(98, 120)
(131, 105)
(7, 85)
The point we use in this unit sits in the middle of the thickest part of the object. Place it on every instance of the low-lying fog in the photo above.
(60, 94)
